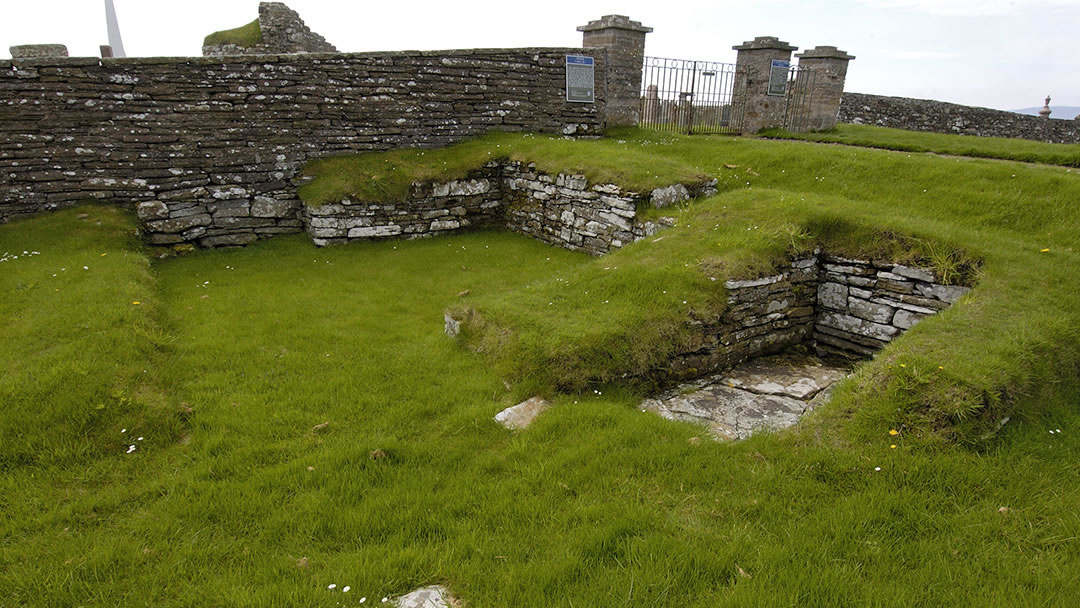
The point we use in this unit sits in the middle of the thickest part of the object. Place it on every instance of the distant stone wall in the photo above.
(563, 210)
(214, 143)
(283, 31)
(842, 306)
(942, 117)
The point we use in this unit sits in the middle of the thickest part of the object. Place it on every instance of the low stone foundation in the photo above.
(842, 306)
(563, 210)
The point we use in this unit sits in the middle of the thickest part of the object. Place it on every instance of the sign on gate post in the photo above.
(778, 77)
(580, 79)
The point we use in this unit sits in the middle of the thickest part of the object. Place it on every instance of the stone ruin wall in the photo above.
(942, 117)
(562, 210)
(214, 143)
(843, 306)
(283, 31)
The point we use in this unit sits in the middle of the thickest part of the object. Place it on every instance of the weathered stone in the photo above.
(229, 240)
(435, 596)
(833, 295)
(855, 325)
(179, 224)
(946, 293)
(670, 195)
(878, 313)
(919, 274)
(905, 319)
(36, 51)
(374, 232)
(264, 206)
(521, 415)
(152, 210)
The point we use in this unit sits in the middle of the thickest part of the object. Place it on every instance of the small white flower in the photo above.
(363, 599)
(877, 468)
(139, 439)
(86, 268)
(123, 430)
(332, 586)
(346, 589)
(385, 599)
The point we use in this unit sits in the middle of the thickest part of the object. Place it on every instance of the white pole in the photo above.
(114, 30)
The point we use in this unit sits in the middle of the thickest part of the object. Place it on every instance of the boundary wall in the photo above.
(205, 137)
(943, 117)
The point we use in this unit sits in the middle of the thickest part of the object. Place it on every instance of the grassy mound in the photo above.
(244, 36)
(241, 495)
(938, 143)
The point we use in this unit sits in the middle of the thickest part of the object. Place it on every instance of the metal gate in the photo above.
(799, 96)
(686, 96)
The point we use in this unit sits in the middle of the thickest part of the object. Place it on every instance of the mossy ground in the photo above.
(231, 359)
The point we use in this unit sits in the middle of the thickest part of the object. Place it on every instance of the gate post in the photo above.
(830, 67)
(625, 43)
(754, 62)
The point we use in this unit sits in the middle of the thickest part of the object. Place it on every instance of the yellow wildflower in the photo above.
(894, 432)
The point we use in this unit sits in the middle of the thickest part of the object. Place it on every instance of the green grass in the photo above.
(244, 36)
(938, 143)
(246, 351)
(386, 176)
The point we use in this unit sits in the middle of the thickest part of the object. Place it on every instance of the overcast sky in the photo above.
(995, 53)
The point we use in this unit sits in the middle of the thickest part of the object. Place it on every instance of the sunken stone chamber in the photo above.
(842, 306)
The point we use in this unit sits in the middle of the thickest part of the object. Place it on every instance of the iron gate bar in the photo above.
(686, 96)
(799, 97)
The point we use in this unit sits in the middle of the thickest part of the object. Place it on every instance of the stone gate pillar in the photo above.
(625, 43)
(829, 65)
(760, 110)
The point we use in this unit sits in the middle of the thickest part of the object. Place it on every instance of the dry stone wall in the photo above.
(942, 117)
(843, 306)
(214, 143)
(563, 210)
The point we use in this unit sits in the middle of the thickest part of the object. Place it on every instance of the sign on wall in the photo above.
(580, 79)
(778, 77)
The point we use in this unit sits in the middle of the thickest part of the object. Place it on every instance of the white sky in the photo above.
(994, 53)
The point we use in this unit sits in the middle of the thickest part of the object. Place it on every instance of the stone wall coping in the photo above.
(280, 57)
(824, 52)
(764, 42)
(614, 22)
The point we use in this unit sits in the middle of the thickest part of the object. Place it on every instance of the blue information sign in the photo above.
(580, 78)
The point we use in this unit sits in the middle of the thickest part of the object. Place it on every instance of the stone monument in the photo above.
(829, 66)
(1045, 111)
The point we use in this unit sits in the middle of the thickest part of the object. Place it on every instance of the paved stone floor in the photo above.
(765, 393)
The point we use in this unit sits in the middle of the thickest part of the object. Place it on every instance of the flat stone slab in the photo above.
(778, 376)
(769, 393)
(521, 415)
(435, 596)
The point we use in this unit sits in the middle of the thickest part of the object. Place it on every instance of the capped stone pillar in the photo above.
(755, 64)
(829, 66)
(625, 43)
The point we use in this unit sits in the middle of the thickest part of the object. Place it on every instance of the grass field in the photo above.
(228, 363)
(937, 143)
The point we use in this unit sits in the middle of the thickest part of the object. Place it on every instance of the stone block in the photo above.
(179, 224)
(857, 326)
(878, 313)
(152, 210)
(833, 295)
(264, 206)
(911, 272)
(946, 293)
